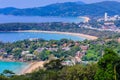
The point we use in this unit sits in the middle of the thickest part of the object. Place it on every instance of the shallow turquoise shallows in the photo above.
(15, 36)
(16, 67)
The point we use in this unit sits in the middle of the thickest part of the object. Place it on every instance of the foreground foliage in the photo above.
(107, 68)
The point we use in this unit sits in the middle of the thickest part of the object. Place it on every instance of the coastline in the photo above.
(29, 67)
(89, 37)
(33, 66)
(86, 19)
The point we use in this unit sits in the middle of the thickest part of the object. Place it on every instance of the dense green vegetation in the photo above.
(40, 49)
(104, 52)
(64, 27)
(107, 68)
(67, 9)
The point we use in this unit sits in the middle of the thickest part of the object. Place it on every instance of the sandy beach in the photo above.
(86, 19)
(33, 67)
(89, 37)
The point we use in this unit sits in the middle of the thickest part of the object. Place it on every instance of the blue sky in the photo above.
(38, 3)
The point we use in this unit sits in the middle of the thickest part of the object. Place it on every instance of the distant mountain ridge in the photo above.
(67, 9)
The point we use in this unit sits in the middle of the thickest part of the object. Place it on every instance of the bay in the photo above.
(37, 19)
(16, 36)
(16, 67)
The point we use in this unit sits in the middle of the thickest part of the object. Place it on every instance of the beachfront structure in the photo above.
(109, 18)
(30, 56)
(109, 25)
(25, 52)
(68, 63)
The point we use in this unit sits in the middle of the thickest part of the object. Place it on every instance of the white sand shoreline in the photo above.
(89, 37)
(86, 19)
(33, 66)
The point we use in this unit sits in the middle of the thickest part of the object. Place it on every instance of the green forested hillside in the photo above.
(67, 9)
(56, 26)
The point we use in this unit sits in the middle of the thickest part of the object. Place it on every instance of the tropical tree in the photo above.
(107, 66)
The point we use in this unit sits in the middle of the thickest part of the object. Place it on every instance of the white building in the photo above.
(106, 17)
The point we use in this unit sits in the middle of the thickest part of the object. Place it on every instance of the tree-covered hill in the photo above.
(67, 9)
(56, 26)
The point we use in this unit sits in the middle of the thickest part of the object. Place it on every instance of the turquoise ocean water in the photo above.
(15, 36)
(16, 67)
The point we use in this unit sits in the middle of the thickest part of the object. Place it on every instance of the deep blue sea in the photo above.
(37, 19)
(15, 36)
